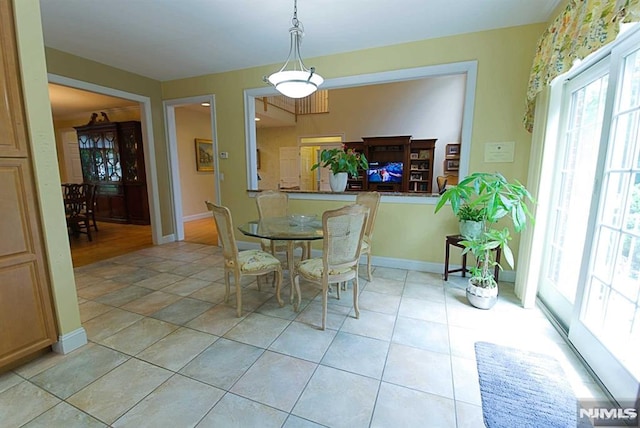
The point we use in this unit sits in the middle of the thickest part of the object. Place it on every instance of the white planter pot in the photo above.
(338, 182)
(480, 297)
(470, 229)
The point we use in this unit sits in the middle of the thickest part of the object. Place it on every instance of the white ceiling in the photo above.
(172, 39)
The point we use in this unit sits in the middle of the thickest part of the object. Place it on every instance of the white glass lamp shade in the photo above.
(295, 83)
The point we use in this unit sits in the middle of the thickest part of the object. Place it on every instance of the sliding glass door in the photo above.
(575, 166)
(606, 325)
(591, 274)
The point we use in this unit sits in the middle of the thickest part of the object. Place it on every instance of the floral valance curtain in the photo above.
(583, 27)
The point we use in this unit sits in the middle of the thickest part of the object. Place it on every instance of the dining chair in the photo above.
(91, 192)
(370, 200)
(272, 203)
(343, 230)
(241, 263)
(75, 206)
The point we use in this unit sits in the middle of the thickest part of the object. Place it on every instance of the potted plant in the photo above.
(471, 220)
(497, 198)
(342, 164)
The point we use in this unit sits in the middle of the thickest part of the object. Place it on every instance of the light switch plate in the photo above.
(224, 155)
(499, 152)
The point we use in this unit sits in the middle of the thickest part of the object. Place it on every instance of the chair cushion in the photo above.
(256, 260)
(312, 268)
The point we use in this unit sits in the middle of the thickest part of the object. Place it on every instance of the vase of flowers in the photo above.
(342, 163)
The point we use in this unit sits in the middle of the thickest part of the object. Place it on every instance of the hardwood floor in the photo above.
(114, 239)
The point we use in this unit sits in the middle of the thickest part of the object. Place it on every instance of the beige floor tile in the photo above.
(222, 363)
(182, 311)
(100, 289)
(385, 286)
(212, 293)
(275, 380)
(139, 336)
(424, 291)
(186, 286)
(123, 296)
(338, 399)
(177, 349)
(78, 370)
(23, 402)
(179, 402)
(115, 393)
(468, 415)
(425, 310)
(303, 341)
(109, 323)
(217, 320)
(379, 302)
(346, 349)
(403, 407)
(91, 309)
(419, 369)
(151, 303)
(371, 324)
(9, 379)
(257, 330)
(465, 380)
(433, 336)
(238, 412)
(67, 416)
(159, 281)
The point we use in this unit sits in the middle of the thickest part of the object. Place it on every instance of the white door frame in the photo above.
(172, 142)
(147, 143)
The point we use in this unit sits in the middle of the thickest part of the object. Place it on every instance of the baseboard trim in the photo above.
(207, 214)
(70, 341)
(390, 262)
(166, 239)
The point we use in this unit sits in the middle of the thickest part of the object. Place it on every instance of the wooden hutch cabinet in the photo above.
(112, 157)
(396, 164)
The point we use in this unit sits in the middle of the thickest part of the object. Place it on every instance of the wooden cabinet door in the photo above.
(25, 303)
(12, 125)
(26, 310)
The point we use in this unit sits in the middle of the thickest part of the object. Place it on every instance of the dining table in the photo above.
(289, 229)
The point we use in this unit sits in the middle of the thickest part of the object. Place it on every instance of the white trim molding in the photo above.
(70, 341)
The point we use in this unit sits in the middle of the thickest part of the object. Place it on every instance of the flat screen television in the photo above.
(385, 172)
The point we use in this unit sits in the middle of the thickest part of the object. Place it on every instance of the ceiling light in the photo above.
(298, 81)
(205, 104)
(257, 119)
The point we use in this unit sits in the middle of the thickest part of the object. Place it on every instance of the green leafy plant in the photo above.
(496, 198)
(468, 213)
(341, 160)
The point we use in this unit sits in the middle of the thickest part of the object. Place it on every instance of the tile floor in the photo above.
(165, 350)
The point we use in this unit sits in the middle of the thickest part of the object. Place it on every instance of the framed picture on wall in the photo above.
(452, 150)
(451, 164)
(204, 155)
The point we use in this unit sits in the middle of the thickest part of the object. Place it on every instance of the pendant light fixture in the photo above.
(298, 81)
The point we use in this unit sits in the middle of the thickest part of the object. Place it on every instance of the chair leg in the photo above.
(237, 277)
(88, 227)
(325, 292)
(296, 304)
(368, 266)
(356, 308)
(95, 225)
(227, 286)
(278, 275)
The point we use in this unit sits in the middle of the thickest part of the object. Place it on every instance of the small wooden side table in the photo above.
(455, 241)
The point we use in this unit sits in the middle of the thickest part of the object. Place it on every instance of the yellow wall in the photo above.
(195, 186)
(43, 151)
(504, 59)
